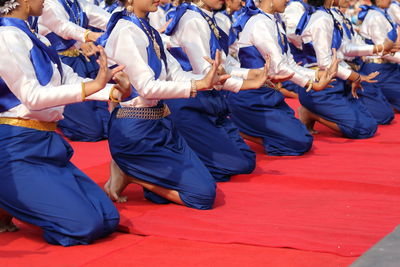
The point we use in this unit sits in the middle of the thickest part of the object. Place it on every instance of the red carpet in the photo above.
(26, 248)
(340, 198)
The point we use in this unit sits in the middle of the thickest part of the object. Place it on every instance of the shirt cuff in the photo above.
(233, 84)
(102, 95)
(240, 72)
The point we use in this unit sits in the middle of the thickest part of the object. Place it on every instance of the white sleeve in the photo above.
(292, 15)
(175, 71)
(19, 74)
(70, 77)
(191, 39)
(322, 33)
(233, 68)
(55, 19)
(394, 12)
(97, 16)
(129, 48)
(157, 18)
(264, 36)
(378, 28)
(395, 58)
(353, 49)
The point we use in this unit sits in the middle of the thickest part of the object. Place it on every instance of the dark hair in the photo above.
(316, 3)
(2, 2)
(373, 2)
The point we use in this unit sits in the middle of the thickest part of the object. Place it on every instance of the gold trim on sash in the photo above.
(33, 124)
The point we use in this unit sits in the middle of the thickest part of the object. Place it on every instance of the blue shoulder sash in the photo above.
(232, 34)
(337, 28)
(166, 7)
(221, 43)
(392, 34)
(41, 57)
(347, 26)
(77, 16)
(152, 58)
(110, 9)
(251, 10)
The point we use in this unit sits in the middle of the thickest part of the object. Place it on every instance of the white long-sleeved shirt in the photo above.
(56, 19)
(157, 18)
(43, 103)
(127, 46)
(319, 31)
(261, 31)
(376, 27)
(192, 34)
(157, 21)
(292, 15)
(226, 23)
(394, 12)
(354, 46)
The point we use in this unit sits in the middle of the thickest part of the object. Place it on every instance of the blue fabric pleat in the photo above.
(86, 121)
(388, 85)
(263, 113)
(205, 124)
(154, 151)
(39, 185)
(335, 105)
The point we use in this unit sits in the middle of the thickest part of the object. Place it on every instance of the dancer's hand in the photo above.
(93, 36)
(164, 27)
(103, 76)
(357, 84)
(325, 78)
(89, 49)
(387, 45)
(220, 70)
(213, 77)
(333, 68)
(280, 78)
(261, 79)
(123, 85)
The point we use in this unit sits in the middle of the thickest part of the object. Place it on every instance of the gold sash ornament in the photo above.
(32, 124)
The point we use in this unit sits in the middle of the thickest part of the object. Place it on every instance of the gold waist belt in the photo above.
(376, 60)
(72, 52)
(149, 113)
(32, 124)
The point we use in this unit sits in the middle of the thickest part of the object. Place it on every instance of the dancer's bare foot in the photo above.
(6, 224)
(305, 116)
(288, 94)
(117, 182)
(257, 140)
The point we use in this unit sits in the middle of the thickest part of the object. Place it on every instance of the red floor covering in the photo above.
(340, 199)
(26, 248)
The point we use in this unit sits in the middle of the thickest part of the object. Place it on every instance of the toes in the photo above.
(122, 199)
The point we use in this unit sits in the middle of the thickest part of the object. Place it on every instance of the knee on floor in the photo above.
(202, 199)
